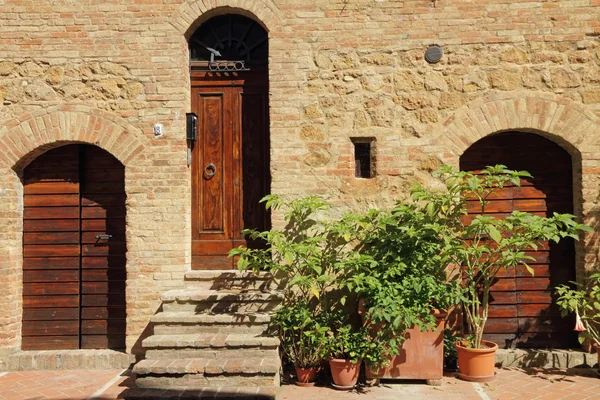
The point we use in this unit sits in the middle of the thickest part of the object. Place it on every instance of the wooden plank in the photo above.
(51, 188)
(103, 188)
(104, 275)
(544, 324)
(66, 250)
(213, 247)
(51, 213)
(51, 263)
(55, 314)
(50, 343)
(524, 283)
(503, 340)
(114, 342)
(528, 192)
(103, 200)
(102, 300)
(103, 312)
(58, 301)
(103, 326)
(51, 328)
(536, 310)
(47, 175)
(503, 311)
(55, 225)
(63, 275)
(503, 298)
(537, 297)
(51, 238)
(103, 262)
(94, 174)
(212, 263)
(51, 200)
(103, 225)
(501, 325)
(503, 285)
(530, 205)
(36, 289)
(90, 237)
(101, 212)
(103, 249)
(102, 287)
(494, 206)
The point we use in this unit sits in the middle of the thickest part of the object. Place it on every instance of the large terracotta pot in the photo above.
(477, 365)
(306, 376)
(421, 354)
(344, 373)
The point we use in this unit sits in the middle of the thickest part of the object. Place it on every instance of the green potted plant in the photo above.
(399, 272)
(306, 253)
(349, 345)
(583, 299)
(483, 246)
(303, 339)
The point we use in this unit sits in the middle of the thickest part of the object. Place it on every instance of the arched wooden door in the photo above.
(230, 160)
(522, 313)
(74, 250)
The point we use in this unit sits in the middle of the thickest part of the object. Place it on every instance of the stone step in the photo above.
(197, 373)
(212, 301)
(221, 392)
(66, 359)
(233, 280)
(210, 346)
(173, 323)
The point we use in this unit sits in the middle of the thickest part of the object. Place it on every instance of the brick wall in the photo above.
(105, 72)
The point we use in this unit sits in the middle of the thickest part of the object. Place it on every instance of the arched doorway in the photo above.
(230, 160)
(74, 250)
(522, 312)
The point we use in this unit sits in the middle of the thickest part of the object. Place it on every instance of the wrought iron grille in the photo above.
(229, 43)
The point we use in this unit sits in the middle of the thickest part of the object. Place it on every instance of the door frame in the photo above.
(255, 79)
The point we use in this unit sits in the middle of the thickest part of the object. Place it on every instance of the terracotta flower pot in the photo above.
(306, 376)
(344, 373)
(477, 365)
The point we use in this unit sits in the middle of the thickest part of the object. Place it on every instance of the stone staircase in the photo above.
(211, 340)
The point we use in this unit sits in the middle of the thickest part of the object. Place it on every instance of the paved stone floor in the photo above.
(509, 384)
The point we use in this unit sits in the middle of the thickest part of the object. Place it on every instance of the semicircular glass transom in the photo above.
(229, 37)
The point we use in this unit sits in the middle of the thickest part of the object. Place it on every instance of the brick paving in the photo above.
(530, 384)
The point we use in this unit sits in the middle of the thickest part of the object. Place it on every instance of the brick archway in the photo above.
(563, 121)
(193, 12)
(21, 141)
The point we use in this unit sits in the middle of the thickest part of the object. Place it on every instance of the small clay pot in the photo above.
(477, 365)
(344, 373)
(306, 376)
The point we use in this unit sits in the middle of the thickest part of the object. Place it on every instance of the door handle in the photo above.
(210, 170)
(103, 237)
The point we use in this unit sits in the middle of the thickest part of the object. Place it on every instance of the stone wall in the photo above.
(105, 72)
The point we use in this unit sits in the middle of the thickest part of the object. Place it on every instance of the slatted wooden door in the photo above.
(522, 313)
(73, 279)
(230, 167)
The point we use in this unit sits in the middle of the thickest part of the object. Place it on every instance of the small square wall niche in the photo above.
(364, 157)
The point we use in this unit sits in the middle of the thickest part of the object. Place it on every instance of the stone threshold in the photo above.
(66, 359)
(537, 358)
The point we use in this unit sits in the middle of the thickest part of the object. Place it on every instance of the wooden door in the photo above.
(230, 165)
(522, 311)
(73, 282)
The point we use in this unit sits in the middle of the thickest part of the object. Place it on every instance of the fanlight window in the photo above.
(229, 40)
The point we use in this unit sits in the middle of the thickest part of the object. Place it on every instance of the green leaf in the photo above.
(315, 291)
(494, 234)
